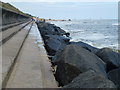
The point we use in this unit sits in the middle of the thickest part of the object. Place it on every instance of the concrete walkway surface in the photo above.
(32, 68)
(10, 51)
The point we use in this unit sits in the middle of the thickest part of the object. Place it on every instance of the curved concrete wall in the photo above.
(9, 17)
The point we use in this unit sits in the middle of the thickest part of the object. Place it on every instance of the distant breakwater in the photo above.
(78, 64)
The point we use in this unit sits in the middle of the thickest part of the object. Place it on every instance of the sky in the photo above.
(60, 0)
(95, 9)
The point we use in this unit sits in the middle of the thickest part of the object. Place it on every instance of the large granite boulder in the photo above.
(59, 30)
(53, 43)
(90, 79)
(114, 76)
(45, 29)
(56, 58)
(75, 60)
(53, 37)
(62, 39)
(50, 29)
(111, 58)
(86, 46)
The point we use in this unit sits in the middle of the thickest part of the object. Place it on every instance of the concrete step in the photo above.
(10, 51)
(5, 27)
(7, 34)
(32, 68)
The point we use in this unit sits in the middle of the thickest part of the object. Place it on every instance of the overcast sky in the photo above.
(69, 9)
(60, 0)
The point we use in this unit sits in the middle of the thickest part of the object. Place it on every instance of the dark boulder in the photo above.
(86, 46)
(90, 79)
(114, 76)
(75, 60)
(50, 29)
(53, 43)
(53, 37)
(45, 28)
(62, 39)
(111, 58)
(67, 34)
(56, 58)
(59, 30)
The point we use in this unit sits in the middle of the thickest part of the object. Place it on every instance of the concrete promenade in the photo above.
(25, 63)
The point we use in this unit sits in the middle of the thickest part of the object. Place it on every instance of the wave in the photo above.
(116, 24)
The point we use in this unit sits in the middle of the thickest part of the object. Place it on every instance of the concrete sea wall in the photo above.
(10, 17)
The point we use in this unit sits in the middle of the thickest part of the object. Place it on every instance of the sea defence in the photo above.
(74, 64)
(10, 17)
(78, 64)
(23, 63)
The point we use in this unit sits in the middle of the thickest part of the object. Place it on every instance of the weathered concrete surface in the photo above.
(10, 31)
(10, 51)
(9, 17)
(5, 27)
(32, 69)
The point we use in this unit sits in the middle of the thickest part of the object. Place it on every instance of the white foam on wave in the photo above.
(76, 30)
(94, 35)
(116, 24)
(90, 36)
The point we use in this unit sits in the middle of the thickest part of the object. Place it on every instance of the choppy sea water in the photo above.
(99, 33)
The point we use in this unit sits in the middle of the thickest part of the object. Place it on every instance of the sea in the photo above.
(99, 33)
